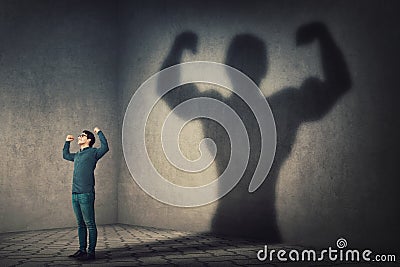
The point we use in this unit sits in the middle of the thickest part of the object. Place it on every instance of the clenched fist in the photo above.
(96, 130)
(70, 138)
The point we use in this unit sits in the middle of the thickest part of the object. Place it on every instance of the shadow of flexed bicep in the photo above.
(185, 41)
(316, 97)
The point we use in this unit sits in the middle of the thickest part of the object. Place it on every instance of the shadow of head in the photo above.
(248, 54)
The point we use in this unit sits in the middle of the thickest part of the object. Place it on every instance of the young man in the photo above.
(83, 188)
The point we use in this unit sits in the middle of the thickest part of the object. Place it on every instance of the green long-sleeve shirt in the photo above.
(84, 164)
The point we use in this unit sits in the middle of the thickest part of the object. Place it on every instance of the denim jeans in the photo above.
(83, 205)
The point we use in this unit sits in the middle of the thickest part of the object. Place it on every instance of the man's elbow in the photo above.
(105, 146)
(104, 149)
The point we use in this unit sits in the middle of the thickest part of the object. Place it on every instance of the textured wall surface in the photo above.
(66, 66)
(57, 77)
(334, 172)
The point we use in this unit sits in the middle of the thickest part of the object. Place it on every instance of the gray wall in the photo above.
(334, 174)
(57, 76)
(66, 66)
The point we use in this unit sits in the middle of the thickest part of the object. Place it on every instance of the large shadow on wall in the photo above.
(253, 215)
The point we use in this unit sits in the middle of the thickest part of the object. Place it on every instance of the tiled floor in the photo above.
(122, 245)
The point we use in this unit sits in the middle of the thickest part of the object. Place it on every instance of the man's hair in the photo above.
(90, 136)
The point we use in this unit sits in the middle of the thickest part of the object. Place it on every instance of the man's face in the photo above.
(82, 139)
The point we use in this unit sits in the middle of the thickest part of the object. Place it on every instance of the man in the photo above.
(83, 188)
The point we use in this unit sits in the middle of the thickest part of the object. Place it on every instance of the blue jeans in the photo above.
(83, 205)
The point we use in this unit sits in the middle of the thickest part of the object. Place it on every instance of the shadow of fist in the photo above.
(309, 32)
(187, 40)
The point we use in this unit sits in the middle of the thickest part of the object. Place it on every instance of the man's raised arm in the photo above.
(103, 149)
(66, 154)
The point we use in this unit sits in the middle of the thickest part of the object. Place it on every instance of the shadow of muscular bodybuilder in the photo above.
(240, 213)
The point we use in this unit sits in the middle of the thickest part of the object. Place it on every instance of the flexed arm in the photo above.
(318, 96)
(103, 149)
(66, 154)
(184, 41)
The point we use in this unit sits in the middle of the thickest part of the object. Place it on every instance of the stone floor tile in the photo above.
(187, 262)
(8, 262)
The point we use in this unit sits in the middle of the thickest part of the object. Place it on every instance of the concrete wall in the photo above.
(57, 76)
(334, 173)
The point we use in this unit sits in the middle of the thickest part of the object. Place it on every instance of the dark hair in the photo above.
(90, 136)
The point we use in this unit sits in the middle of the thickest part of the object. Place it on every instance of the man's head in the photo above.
(86, 137)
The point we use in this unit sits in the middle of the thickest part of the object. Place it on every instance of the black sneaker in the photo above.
(87, 257)
(78, 254)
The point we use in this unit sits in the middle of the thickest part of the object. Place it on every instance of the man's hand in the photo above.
(70, 138)
(96, 130)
